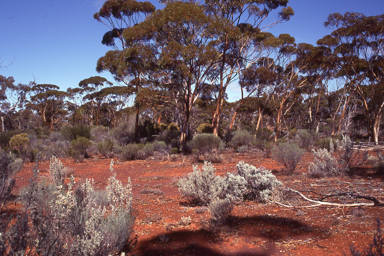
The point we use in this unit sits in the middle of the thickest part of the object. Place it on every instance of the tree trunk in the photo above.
(235, 114)
(137, 139)
(219, 103)
(343, 113)
(278, 118)
(2, 124)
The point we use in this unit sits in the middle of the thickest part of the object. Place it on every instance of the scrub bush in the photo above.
(241, 138)
(289, 154)
(206, 143)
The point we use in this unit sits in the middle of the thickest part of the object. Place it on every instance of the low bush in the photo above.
(206, 143)
(79, 147)
(220, 210)
(124, 133)
(8, 167)
(305, 139)
(241, 138)
(106, 147)
(159, 146)
(260, 182)
(129, 152)
(71, 133)
(289, 154)
(68, 220)
(324, 164)
(200, 187)
(99, 133)
(213, 157)
(19, 141)
(325, 143)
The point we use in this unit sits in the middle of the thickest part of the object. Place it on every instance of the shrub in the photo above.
(305, 139)
(8, 167)
(71, 133)
(220, 210)
(200, 187)
(5, 137)
(124, 133)
(159, 146)
(206, 143)
(105, 147)
(213, 157)
(263, 134)
(259, 181)
(69, 221)
(204, 128)
(99, 133)
(129, 152)
(289, 154)
(324, 164)
(325, 143)
(19, 141)
(241, 138)
(79, 147)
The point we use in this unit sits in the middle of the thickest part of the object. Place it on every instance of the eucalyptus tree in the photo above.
(130, 65)
(317, 70)
(180, 37)
(49, 102)
(12, 97)
(92, 88)
(238, 41)
(357, 43)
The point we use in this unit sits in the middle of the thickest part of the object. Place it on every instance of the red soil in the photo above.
(254, 228)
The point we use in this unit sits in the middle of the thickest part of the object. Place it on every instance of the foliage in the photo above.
(201, 187)
(206, 143)
(259, 181)
(19, 141)
(325, 143)
(5, 137)
(204, 128)
(159, 146)
(67, 220)
(106, 147)
(305, 139)
(79, 147)
(220, 210)
(99, 133)
(324, 164)
(241, 138)
(213, 157)
(71, 133)
(289, 154)
(8, 167)
(123, 134)
(129, 152)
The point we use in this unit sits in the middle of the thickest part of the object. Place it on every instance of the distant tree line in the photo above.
(175, 65)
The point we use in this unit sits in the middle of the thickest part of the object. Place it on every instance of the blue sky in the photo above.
(59, 42)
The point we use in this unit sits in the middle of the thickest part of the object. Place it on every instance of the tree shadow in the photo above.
(199, 242)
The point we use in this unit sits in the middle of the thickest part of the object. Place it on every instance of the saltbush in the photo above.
(79, 147)
(106, 147)
(63, 219)
(305, 139)
(8, 167)
(220, 210)
(259, 181)
(206, 143)
(129, 152)
(200, 187)
(71, 133)
(324, 164)
(124, 133)
(289, 154)
(241, 138)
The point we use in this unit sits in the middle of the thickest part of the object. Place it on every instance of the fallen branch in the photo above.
(319, 203)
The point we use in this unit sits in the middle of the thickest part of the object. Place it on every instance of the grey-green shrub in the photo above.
(324, 164)
(305, 139)
(220, 210)
(79, 147)
(200, 187)
(124, 133)
(106, 147)
(289, 154)
(129, 152)
(69, 221)
(8, 167)
(159, 146)
(259, 181)
(206, 142)
(241, 138)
